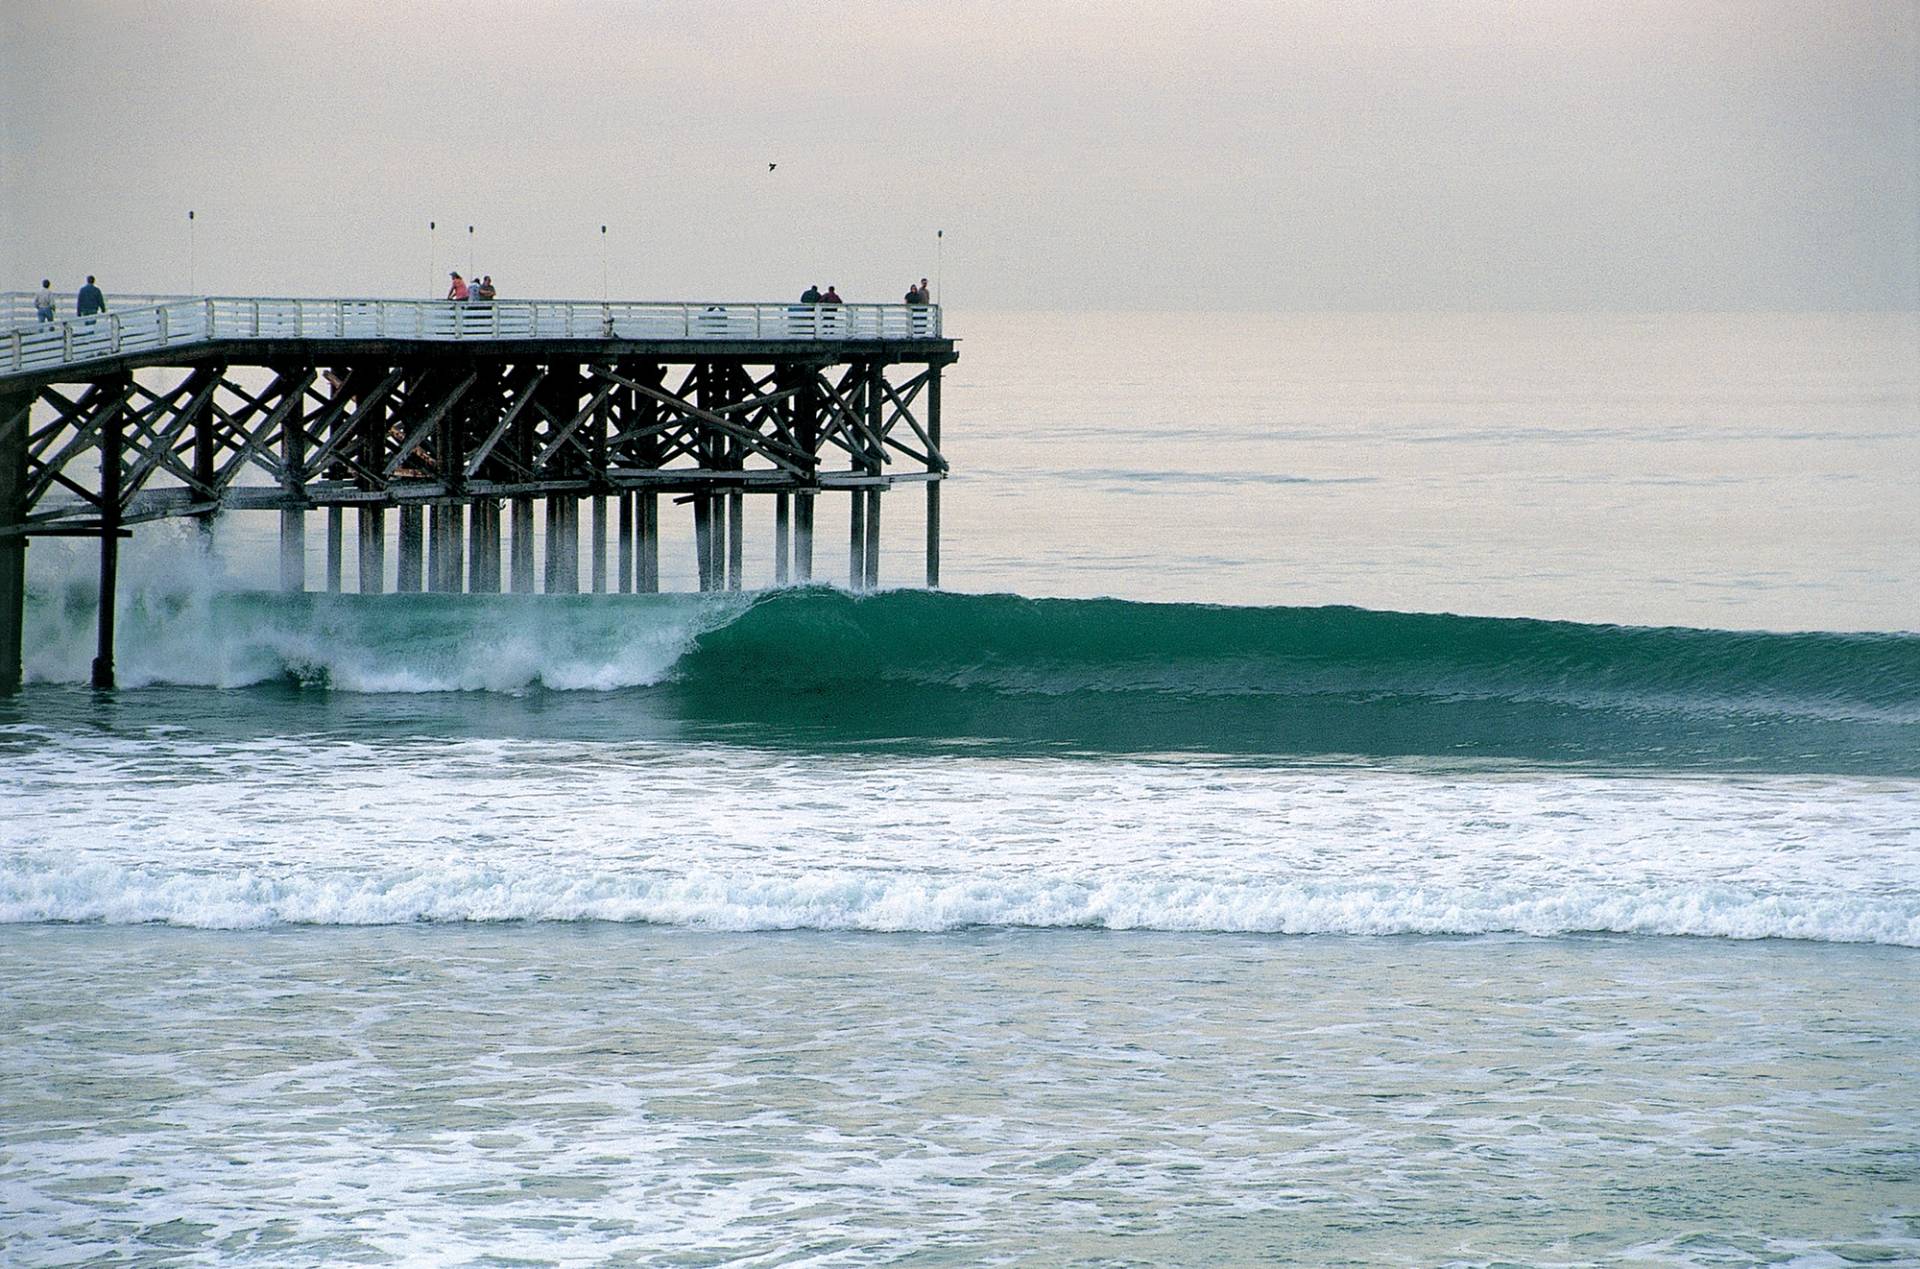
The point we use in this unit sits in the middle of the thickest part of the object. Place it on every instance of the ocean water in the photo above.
(1377, 790)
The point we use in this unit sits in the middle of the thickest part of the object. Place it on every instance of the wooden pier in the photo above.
(458, 418)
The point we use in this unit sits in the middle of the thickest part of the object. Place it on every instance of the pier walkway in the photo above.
(449, 413)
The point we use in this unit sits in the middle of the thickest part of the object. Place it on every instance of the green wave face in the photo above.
(1114, 675)
(818, 667)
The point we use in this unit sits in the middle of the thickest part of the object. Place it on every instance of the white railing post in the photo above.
(113, 332)
(163, 326)
(256, 319)
(18, 356)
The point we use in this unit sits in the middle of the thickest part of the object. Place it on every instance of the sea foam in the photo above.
(870, 900)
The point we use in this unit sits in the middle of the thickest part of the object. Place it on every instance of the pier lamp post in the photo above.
(603, 264)
(190, 279)
(469, 251)
(939, 264)
(433, 256)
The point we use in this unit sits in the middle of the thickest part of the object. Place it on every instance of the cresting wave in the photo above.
(1098, 674)
(883, 901)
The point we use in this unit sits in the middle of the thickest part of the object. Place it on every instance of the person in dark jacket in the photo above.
(811, 295)
(89, 301)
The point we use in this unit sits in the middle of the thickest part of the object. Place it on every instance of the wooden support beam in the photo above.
(425, 427)
(521, 401)
(708, 413)
(111, 398)
(346, 428)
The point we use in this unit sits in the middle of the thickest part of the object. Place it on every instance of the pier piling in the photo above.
(599, 532)
(336, 547)
(857, 539)
(483, 547)
(409, 578)
(782, 534)
(112, 470)
(16, 410)
(373, 550)
(521, 570)
(933, 486)
(803, 537)
(647, 576)
(623, 555)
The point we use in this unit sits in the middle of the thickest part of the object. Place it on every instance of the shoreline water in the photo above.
(579, 1092)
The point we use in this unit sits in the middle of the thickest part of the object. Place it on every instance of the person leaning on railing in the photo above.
(43, 301)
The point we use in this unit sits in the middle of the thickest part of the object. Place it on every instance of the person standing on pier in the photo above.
(43, 302)
(811, 295)
(486, 289)
(458, 291)
(832, 296)
(90, 300)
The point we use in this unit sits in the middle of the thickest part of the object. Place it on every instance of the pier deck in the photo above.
(446, 412)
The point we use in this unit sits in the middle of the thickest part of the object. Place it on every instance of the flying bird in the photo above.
(771, 166)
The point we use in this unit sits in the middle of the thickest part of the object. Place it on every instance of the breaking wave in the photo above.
(876, 900)
(1105, 675)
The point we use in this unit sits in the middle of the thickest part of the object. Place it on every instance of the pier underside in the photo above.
(457, 439)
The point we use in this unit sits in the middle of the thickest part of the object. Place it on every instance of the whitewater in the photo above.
(1442, 850)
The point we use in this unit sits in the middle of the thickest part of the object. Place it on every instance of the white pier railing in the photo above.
(150, 323)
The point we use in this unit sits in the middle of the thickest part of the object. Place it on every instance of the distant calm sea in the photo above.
(1409, 790)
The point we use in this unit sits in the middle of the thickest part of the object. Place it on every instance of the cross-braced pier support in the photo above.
(453, 439)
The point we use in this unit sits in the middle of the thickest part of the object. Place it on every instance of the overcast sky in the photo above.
(1425, 154)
